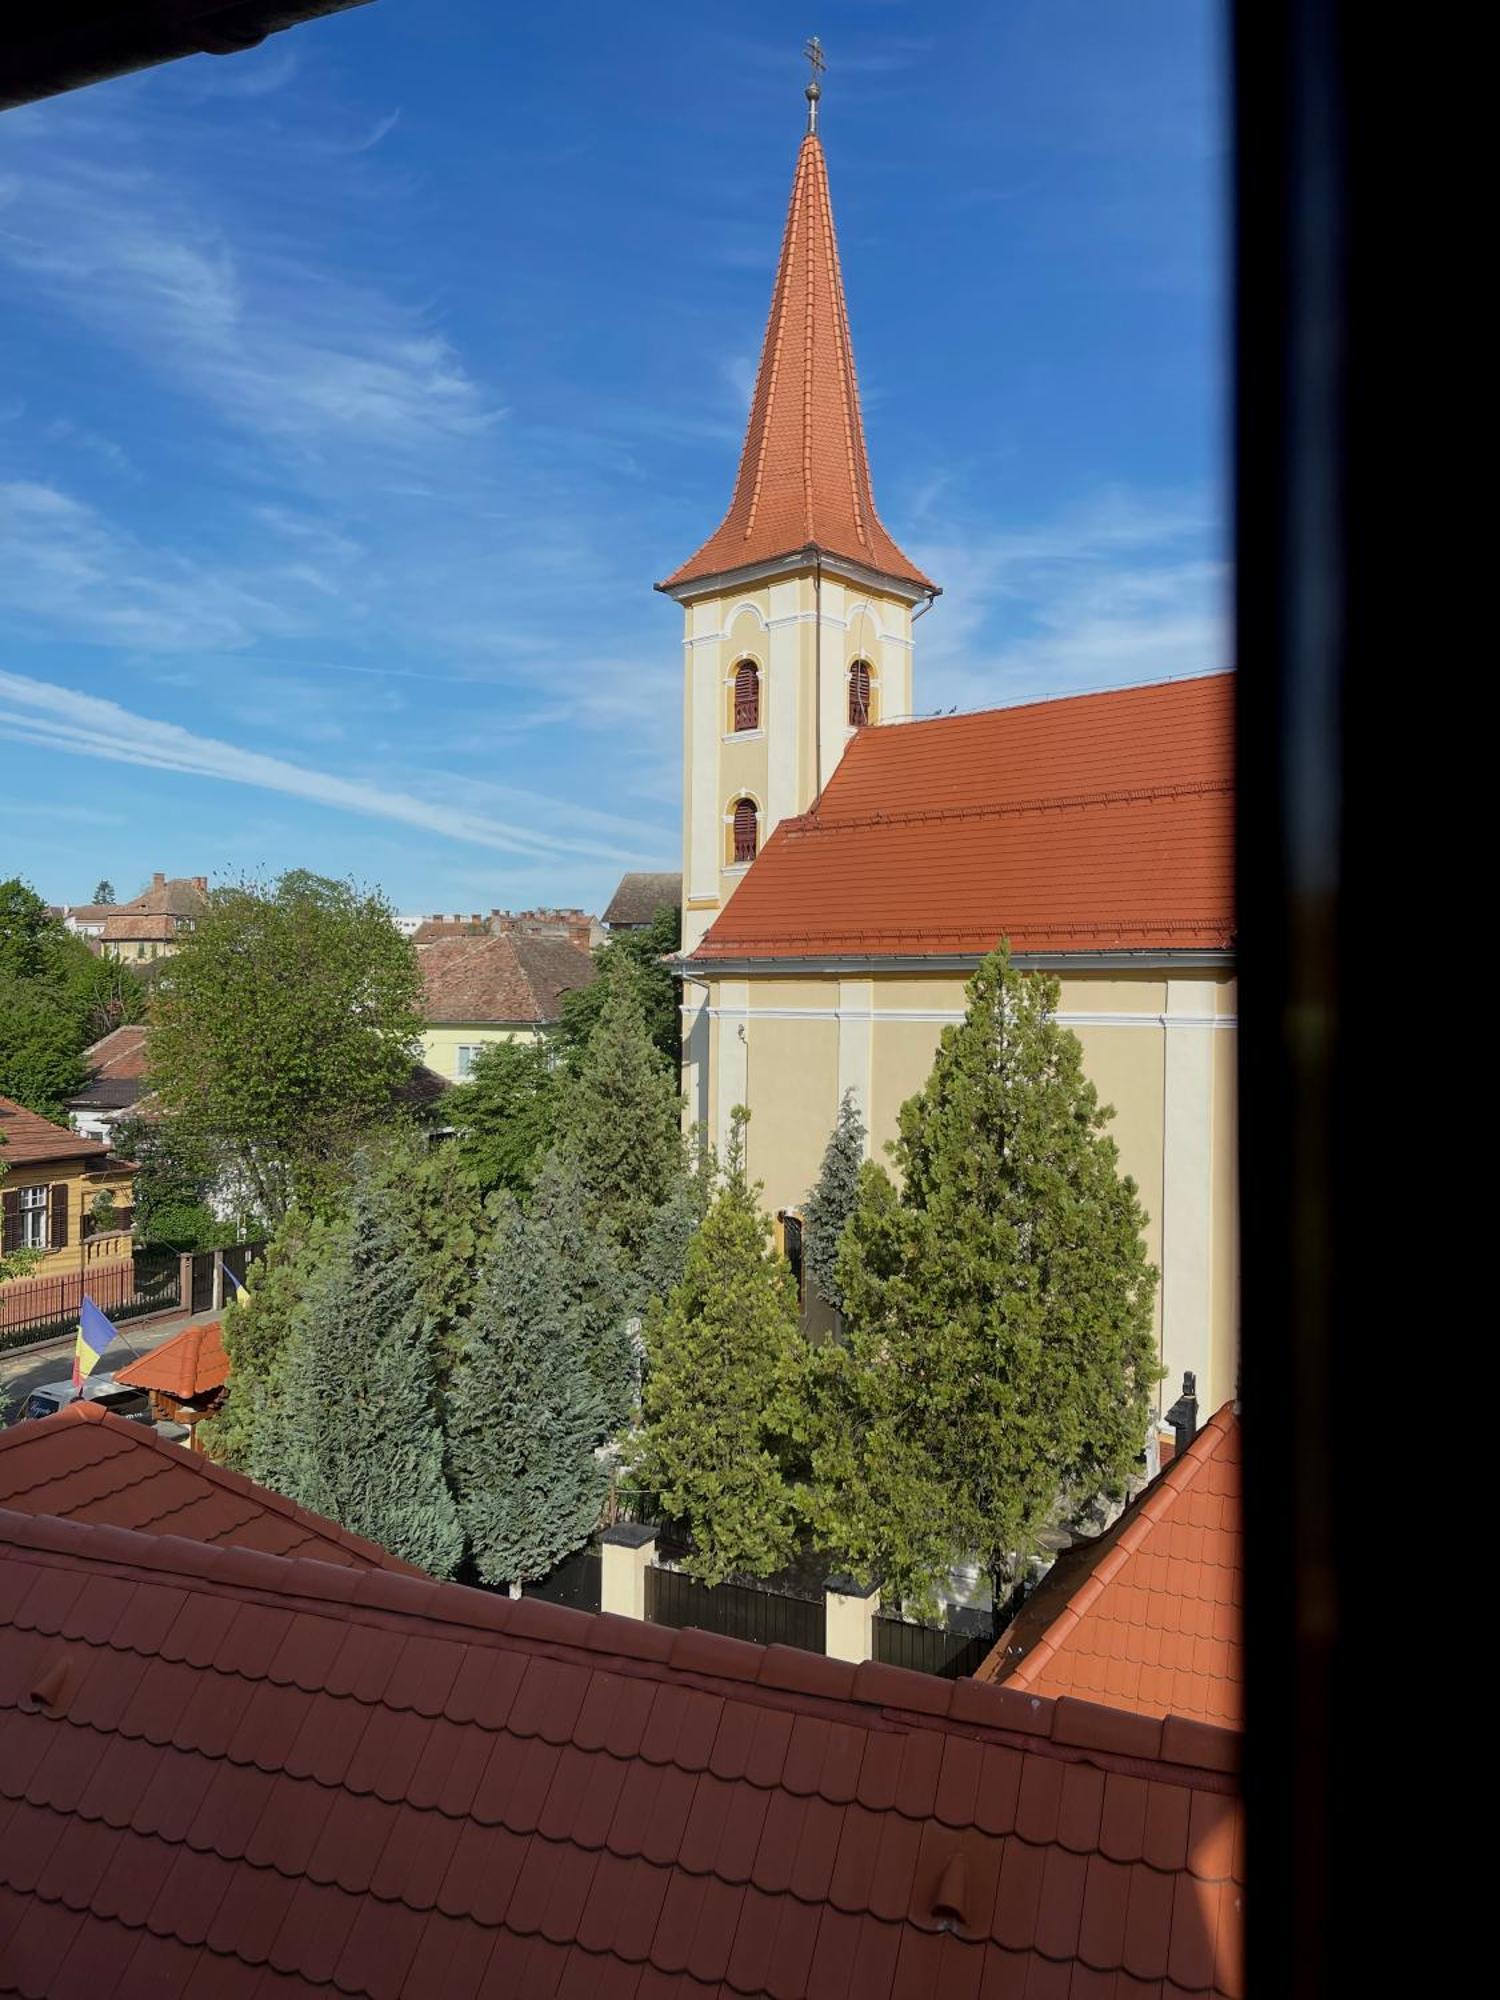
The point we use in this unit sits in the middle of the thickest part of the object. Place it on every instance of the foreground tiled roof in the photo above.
(27, 1140)
(514, 977)
(85, 1465)
(640, 896)
(804, 478)
(1096, 823)
(1147, 1616)
(233, 1774)
(191, 1363)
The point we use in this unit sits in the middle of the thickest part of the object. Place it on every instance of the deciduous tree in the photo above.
(287, 1025)
(660, 989)
(506, 1114)
(999, 1356)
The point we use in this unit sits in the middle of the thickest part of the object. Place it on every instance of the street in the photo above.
(28, 1369)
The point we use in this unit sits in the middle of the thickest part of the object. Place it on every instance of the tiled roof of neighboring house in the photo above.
(117, 1067)
(85, 1465)
(1095, 823)
(1147, 1616)
(191, 1363)
(514, 977)
(26, 1139)
(177, 896)
(639, 897)
(235, 1774)
(141, 925)
(804, 477)
(90, 913)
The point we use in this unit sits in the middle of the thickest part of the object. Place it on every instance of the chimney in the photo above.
(158, 881)
(1183, 1415)
(201, 882)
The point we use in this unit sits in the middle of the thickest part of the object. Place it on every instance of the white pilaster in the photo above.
(734, 1054)
(832, 635)
(856, 1044)
(1187, 1189)
(705, 809)
(784, 646)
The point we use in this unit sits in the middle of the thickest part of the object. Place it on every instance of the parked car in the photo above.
(119, 1398)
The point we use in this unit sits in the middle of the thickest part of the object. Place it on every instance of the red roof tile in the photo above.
(804, 478)
(215, 1778)
(85, 1465)
(1146, 1616)
(502, 979)
(192, 1363)
(1094, 823)
(26, 1139)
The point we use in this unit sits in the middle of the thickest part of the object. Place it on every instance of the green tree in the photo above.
(104, 892)
(620, 1124)
(290, 1022)
(55, 998)
(660, 989)
(177, 1176)
(357, 1435)
(257, 1328)
(542, 1374)
(505, 1115)
(722, 1391)
(999, 1357)
(831, 1203)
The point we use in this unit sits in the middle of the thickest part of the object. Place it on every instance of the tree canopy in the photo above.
(56, 998)
(288, 1023)
(505, 1115)
(999, 1356)
(831, 1203)
(659, 987)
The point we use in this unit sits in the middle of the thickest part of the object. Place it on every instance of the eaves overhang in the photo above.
(797, 562)
(783, 966)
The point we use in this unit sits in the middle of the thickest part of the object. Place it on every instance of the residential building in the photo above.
(846, 867)
(1147, 1616)
(116, 1081)
(150, 925)
(485, 988)
(639, 898)
(53, 1182)
(577, 926)
(227, 1772)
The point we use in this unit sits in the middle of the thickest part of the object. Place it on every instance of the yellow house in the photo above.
(152, 925)
(52, 1181)
(493, 988)
(846, 867)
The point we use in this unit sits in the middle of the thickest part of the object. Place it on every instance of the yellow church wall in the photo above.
(1161, 1052)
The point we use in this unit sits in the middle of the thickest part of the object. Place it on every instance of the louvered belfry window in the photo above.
(747, 695)
(746, 829)
(859, 694)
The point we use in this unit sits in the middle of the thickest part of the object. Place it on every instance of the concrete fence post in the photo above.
(185, 1280)
(218, 1298)
(851, 1615)
(626, 1552)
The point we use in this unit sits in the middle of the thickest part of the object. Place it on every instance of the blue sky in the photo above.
(355, 391)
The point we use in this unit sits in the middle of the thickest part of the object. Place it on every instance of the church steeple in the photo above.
(804, 477)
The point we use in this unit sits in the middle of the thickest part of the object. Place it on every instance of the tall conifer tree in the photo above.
(357, 1434)
(831, 1203)
(999, 1357)
(544, 1372)
(720, 1403)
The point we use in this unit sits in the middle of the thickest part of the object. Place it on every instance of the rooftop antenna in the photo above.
(814, 54)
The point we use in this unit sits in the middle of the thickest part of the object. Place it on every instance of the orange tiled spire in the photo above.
(804, 478)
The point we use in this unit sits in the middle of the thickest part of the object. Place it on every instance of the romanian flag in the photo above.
(94, 1334)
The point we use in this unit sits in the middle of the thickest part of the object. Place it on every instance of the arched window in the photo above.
(747, 695)
(859, 694)
(746, 830)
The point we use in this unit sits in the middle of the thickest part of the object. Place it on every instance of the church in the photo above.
(846, 865)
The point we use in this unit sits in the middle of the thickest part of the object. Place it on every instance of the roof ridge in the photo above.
(819, 821)
(1104, 693)
(143, 1437)
(1197, 1754)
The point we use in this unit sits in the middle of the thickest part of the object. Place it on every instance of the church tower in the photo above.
(798, 609)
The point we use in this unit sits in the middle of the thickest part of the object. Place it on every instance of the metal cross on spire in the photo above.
(814, 54)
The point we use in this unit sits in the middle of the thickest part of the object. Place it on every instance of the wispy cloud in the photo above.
(59, 718)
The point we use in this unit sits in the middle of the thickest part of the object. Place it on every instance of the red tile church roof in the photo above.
(1095, 823)
(804, 478)
(226, 1773)
(1147, 1616)
(85, 1465)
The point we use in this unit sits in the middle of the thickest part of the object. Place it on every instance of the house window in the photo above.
(746, 696)
(140, 951)
(859, 694)
(34, 1218)
(467, 1052)
(746, 831)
